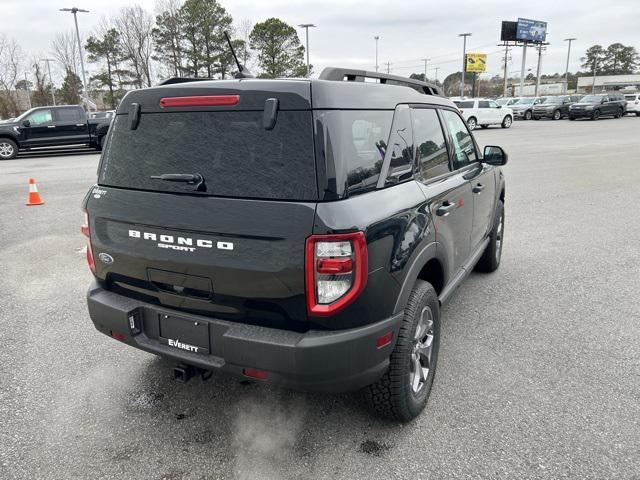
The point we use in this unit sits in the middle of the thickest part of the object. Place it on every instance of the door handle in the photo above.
(445, 209)
(478, 188)
(51, 126)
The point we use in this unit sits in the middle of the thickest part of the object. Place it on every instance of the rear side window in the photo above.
(630, 97)
(354, 146)
(431, 148)
(464, 104)
(232, 151)
(68, 115)
(483, 104)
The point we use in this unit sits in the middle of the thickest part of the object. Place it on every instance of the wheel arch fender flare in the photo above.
(11, 137)
(429, 252)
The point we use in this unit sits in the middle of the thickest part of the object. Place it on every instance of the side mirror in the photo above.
(499, 106)
(495, 155)
(26, 123)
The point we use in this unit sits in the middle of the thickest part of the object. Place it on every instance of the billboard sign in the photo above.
(476, 62)
(531, 30)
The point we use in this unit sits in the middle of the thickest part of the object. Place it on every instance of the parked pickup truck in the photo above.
(51, 127)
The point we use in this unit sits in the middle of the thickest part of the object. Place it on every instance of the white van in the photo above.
(484, 112)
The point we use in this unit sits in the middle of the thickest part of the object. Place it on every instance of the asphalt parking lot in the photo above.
(539, 369)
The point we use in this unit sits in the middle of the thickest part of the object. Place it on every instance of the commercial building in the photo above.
(606, 83)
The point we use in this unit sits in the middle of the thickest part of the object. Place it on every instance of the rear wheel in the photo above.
(637, 114)
(571, 117)
(557, 115)
(619, 113)
(507, 121)
(490, 260)
(403, 391)
(528, 115)
(8, 149)
(595, 115)
(472, 123)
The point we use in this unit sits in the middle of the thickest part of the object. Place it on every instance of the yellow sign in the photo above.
(476, 62)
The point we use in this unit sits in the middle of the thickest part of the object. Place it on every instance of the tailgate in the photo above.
(228, 258)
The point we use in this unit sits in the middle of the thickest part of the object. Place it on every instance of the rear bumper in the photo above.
(328, 361)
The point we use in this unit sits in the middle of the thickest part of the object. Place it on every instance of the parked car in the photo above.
(297, 231)
(600, 105)
(633, 103)
(523, 108)
(56, 126)
(483, 112)
(507, 101)
(554, 107)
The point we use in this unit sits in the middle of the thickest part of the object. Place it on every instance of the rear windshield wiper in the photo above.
(189, 178)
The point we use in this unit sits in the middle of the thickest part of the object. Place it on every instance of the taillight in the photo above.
(86, 231)
(200, 101)
(336, 269)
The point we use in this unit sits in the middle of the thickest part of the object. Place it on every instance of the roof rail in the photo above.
(350, 75)
(171, 81)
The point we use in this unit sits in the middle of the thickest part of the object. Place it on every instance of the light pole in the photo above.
(306, 27)
(48, 60)
(425, 60)
(74, 11)
(566, 71)
(524, 65)
(464, 60)
(376, 38)
(436, 69)
(538, 70)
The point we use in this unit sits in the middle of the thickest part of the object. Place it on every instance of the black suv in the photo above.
(596, 106)
(302, 232)
(554, 107)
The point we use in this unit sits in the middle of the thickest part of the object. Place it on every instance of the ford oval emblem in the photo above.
(105, 258)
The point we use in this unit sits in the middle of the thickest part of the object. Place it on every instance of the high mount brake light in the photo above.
(336, 270)
(86, 231)
(200, 101)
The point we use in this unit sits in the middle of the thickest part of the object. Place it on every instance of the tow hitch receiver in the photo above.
(183, 373)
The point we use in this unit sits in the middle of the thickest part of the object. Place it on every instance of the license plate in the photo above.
(187, 335)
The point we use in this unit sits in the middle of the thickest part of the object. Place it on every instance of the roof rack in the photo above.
(345, 74)
(171, 81)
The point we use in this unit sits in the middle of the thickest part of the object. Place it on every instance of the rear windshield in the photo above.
(232, 151)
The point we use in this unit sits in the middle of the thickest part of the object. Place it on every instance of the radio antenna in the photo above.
(242, 70)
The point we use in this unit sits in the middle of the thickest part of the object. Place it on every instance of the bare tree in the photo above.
(65, 51)
(243, 30)
(135, 26)
(10, 68)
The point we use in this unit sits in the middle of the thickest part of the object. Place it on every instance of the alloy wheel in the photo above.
(499, 232)
(6, 150)
(421, 355)
(471, 123)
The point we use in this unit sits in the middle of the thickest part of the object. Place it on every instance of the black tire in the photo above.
(620, 113)
(507, 121)
(99, 143)
(8, 149)
(637, 114)
(595, 115)
(394, 395)
(557, 115)
(528, 115)
(484, 126)
(571, 117)
(490, 260)
(535, 118)
(472, 123)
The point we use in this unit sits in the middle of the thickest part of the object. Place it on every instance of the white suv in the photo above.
(633, 103)
(483, 112)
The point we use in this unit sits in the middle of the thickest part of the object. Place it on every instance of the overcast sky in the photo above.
(409, 30)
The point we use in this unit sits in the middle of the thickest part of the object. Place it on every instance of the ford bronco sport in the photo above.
(301, 232)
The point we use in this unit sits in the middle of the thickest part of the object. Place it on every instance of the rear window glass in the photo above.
(232, 151)
(69, 114)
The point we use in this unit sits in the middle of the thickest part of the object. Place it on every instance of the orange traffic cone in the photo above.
(34, 196)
